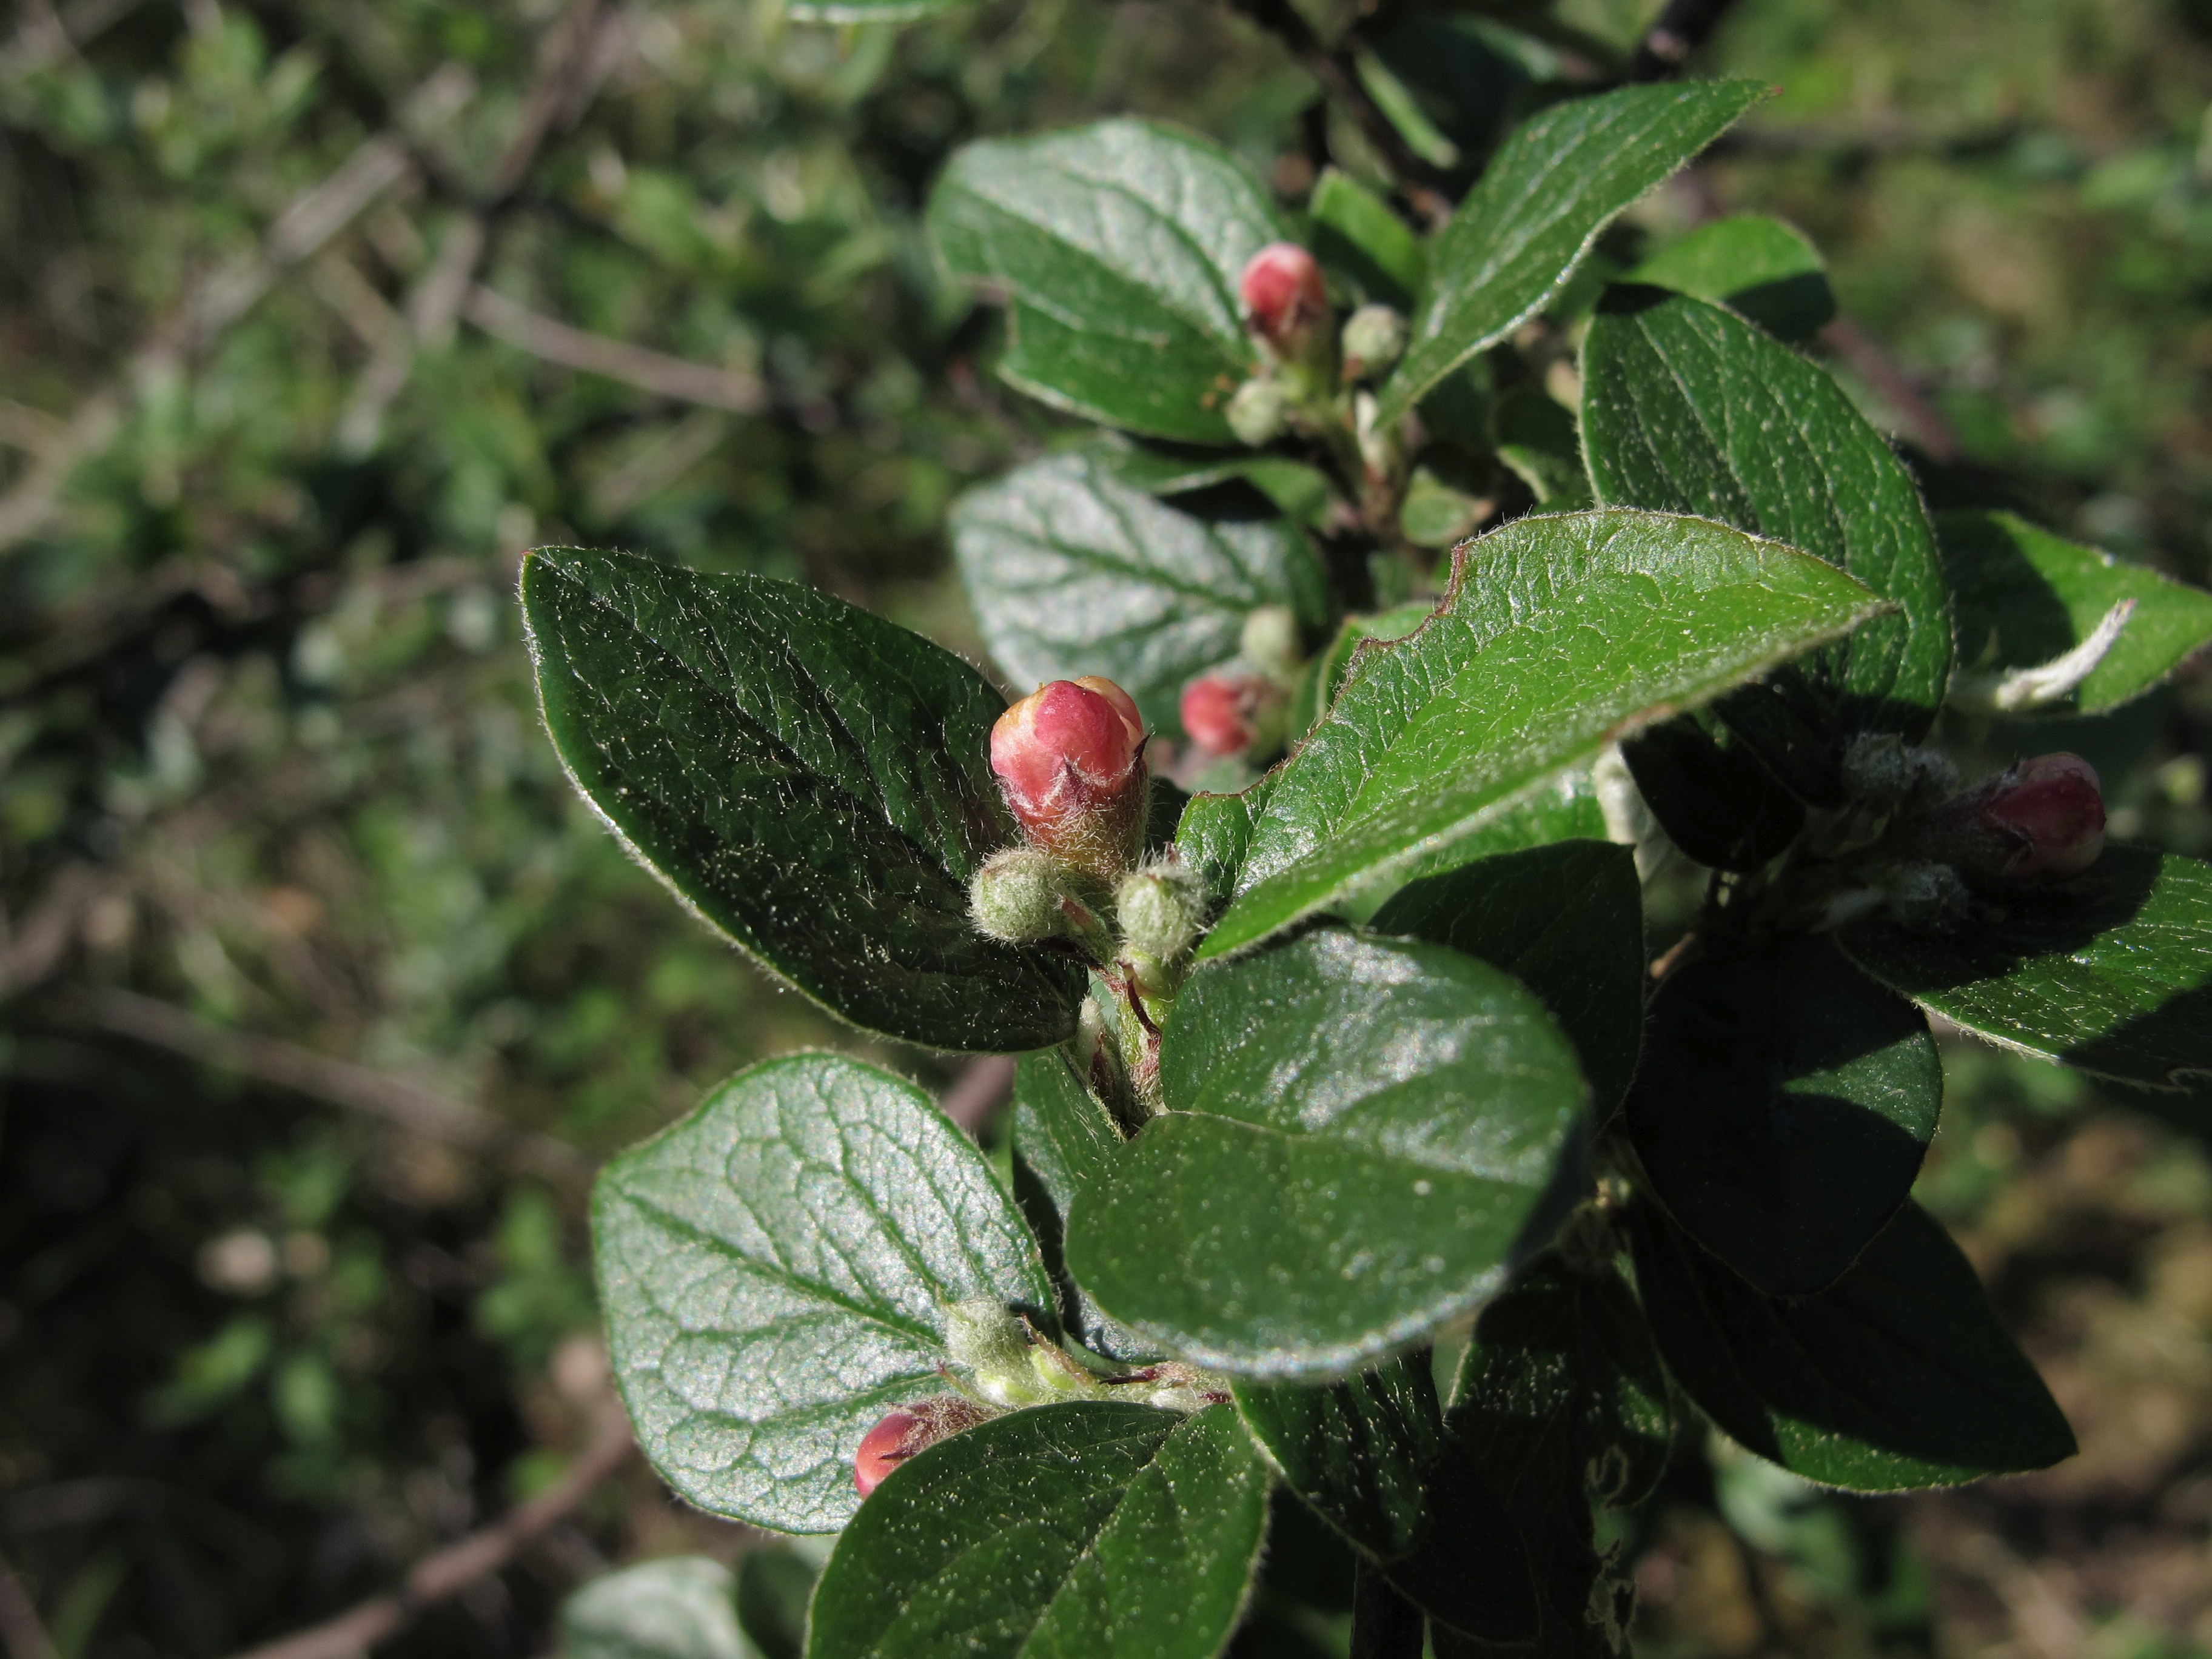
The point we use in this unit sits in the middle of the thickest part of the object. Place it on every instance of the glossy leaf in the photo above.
(809, 778)
(1554, 183)
(680, 1607)
(1567, 921)
(1561, 1405)
(1558, 634)
(1118, 247)
(1369, 1454)
(1756, 265)
(2023, 596)
(1072, 572)
(1358, 233)
(1686, 408)
(1360, 1131)
(774, 1270)
(2111, 971)
(1710, 794)
(1898, 1376)
(1064, 1141)
(1325, 675)
(1065, 1532)
(1215, 836)
(1784, 1106)
(1302, 492)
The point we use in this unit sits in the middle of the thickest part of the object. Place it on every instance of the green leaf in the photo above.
(1357, 233)
(2111, 971)
(1072, 571)
(677, 1608)
(1567, 921)
(1119, 246)
(811, 779)
(2023, 597)
(1065, 1532)
(1558, 634)
(1538, 439)
(1325, 675)
(776, 1269)
(1784, 1106)
(1898, 1376)
(1562, 1405)
(1215, 835)
(1369, 1454)
(1395, 1110)
(1556, 183)
(1064, 1141)
(775, 1584)
(1710, 794)
(1686, 408)
(1299, 491)
(1756, 265)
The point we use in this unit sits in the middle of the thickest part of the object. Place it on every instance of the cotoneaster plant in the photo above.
(1357, 1056)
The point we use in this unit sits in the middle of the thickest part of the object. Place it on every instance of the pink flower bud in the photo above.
(1283, 292)
(1229, 712)
(2052, 805)
(1071, 760)
(906, 1431)
(2045, 818)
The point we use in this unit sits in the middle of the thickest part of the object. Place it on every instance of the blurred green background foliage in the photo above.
(320, 993)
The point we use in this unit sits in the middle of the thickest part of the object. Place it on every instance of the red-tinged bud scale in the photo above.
(907, 1430)
(1283, 292)
(1070, 758)
(2043, 820)
(1230, 712)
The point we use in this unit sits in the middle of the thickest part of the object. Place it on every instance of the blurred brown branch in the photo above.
(453, 1569)
(24, 1636)
(288, 1065)
(595, 354)
(982, 1087)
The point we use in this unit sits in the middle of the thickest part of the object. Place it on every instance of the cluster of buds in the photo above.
(1240, 707)
(999, 1363)
(2042, 820)
(1305, 361)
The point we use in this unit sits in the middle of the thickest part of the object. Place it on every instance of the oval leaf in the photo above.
(2111, 971)
(774, 1270)
(1785, 1104)
(1369, 1454)
(1557, 634)
(1119, 246)
(1552, 186)
(1755, 265)
(1065, 1532)
(1898, 1376)
(1360, 1131)
(809, 778)
(1686, 408)
(2024, 597)
(683, 1608)
(1567, 921)
(1072, 572)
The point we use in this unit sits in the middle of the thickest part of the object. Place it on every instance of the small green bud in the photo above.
(1260, 413)
(1270, 640)
(1374, 336)
(1018, 897)
(992, 1346)
(1161, 907)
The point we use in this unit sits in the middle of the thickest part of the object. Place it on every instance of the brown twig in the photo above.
(595, 354)
(453, 1569)
(20, 1629)
(288, 1065)
(1883, 373)
(984, 1084)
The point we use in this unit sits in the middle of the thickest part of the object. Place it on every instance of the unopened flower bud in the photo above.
(2043, 818)
(1070, 758)
(1022, 895)
(1283, 294)
(2055, 805)
(906, 1431)
(1270, 640)
(1232, 711)
(1374, 336)
(1260, 413)
(1161, 907)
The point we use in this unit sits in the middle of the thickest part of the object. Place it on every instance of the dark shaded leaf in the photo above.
(1710, 794)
